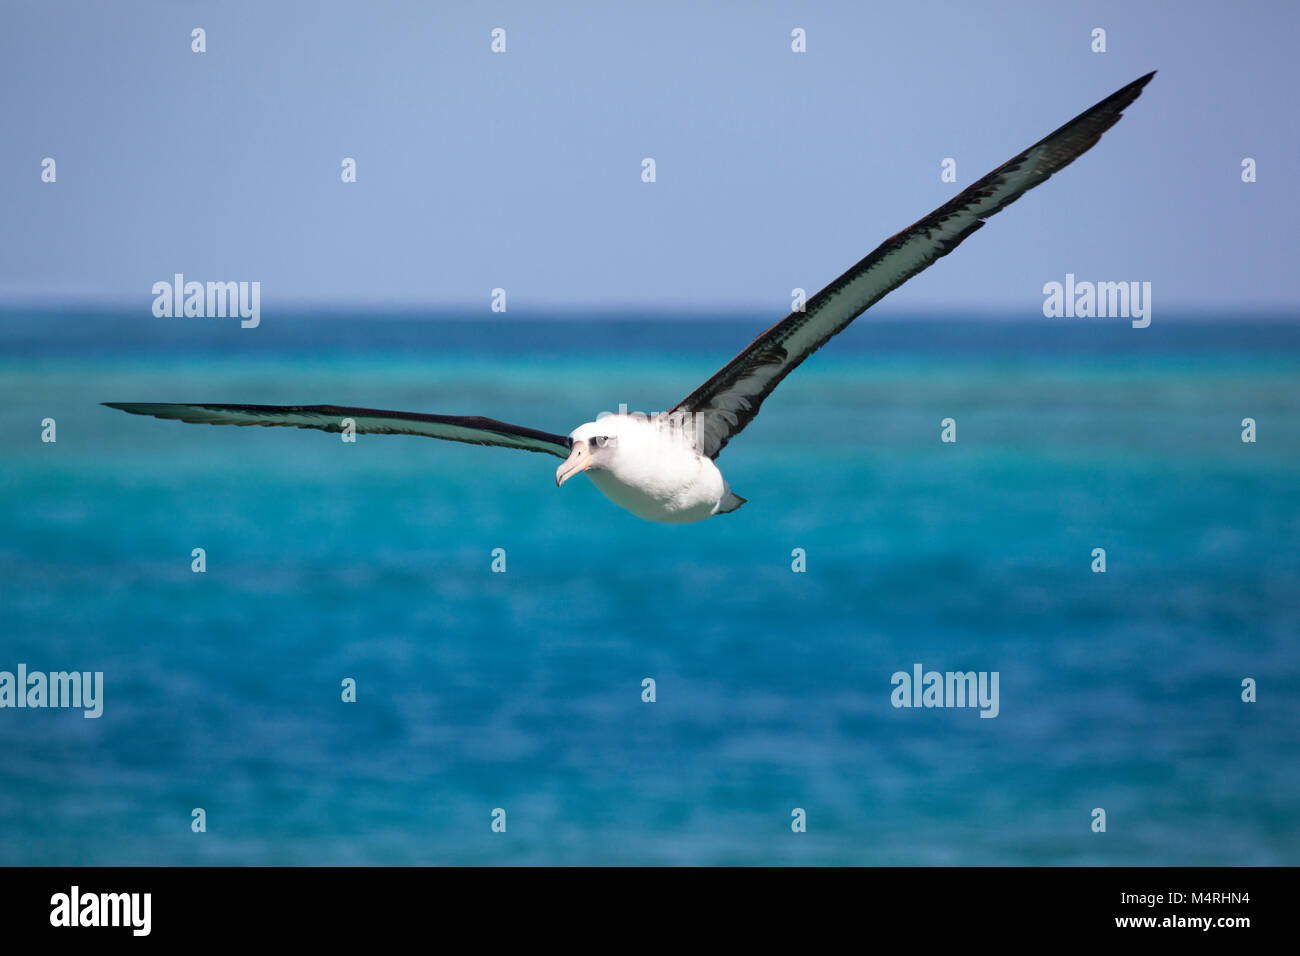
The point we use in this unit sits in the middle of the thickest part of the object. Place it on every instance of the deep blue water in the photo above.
(522, 690)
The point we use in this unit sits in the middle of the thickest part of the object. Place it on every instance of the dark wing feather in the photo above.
(473, 430)
(728, 401)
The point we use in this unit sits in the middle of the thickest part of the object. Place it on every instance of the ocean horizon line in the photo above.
(625, 312)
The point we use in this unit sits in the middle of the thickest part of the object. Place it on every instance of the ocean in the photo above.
(516, 696)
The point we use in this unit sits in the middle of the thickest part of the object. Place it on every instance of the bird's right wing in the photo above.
(329, 418)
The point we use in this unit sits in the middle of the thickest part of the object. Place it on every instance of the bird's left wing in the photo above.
(727, 402)
(473, 430)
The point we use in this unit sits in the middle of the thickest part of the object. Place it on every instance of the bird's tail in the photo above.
(730, 503)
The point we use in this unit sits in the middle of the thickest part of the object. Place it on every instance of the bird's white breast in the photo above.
(658, 475)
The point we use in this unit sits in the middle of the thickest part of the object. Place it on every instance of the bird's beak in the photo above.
(577, 461)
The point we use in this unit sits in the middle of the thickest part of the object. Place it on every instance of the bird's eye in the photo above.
(600, 441)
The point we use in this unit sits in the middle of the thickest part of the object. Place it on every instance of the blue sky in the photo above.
(523, 170)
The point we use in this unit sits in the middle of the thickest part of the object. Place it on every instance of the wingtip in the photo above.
(1135, 88)
(1124, 96)
(131, 408)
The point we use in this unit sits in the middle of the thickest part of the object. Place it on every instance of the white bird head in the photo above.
(592, 446)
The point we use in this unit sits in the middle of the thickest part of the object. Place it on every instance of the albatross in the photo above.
(661, 467)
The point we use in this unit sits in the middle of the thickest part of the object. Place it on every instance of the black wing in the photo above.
(727, 402)
(475, 431)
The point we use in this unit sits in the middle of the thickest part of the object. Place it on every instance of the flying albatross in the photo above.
(661, 467)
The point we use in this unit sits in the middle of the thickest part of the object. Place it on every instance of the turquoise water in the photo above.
(522, 690)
